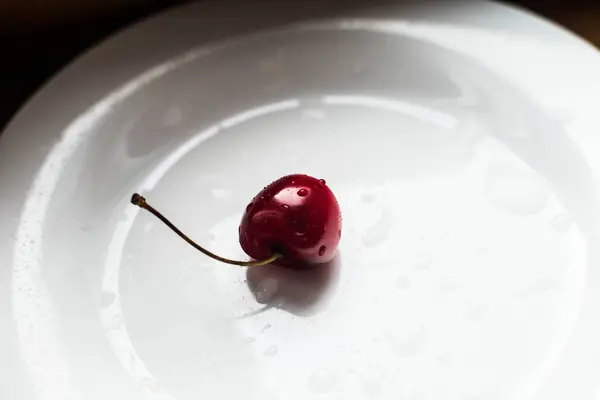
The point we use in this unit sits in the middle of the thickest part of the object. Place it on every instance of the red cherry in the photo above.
(296, 216)
(293, 222)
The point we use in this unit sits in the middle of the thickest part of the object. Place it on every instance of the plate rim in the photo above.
(151, 21)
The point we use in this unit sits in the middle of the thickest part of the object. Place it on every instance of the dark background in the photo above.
(38, 38)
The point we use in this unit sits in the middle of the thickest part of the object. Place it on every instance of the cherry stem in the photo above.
(141, 202)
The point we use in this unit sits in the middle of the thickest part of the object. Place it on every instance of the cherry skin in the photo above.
(296, 217)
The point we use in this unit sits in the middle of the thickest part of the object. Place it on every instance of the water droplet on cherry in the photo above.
(299, 228)
(249, 207)
(303, 192)
(322, 181)
(322, 250)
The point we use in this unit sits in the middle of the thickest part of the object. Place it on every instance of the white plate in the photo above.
(461, 140)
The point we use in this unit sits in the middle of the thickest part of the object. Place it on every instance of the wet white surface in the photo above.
(467, 267)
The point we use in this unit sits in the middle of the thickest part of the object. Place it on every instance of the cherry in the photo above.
(293, 222)
(296, 216)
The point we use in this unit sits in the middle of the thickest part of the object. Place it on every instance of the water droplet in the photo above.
(444, 360)
(287, 207)
(303, 192)
(423, 261)
(250, 339)
(408, 343)
(379, 232)
(516, 192)
(402, 283)
(148, 227)
(299, 228)
(107, 299)
(372, 388)
(368, 198)
(85, 228)
(266, 290)
(447, 284)
(265, 328)
(172, 117)
(538, 287)
(271, 351)
(221, 194)
(475, 312)
(482, 251)
(323, 182)
(151, 385)
(322, 250)
(322, 381)
(315, 114)
(249, 207)
(562, 222)
(116, 322)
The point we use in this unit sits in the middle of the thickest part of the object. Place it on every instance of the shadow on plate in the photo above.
(299, 292)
